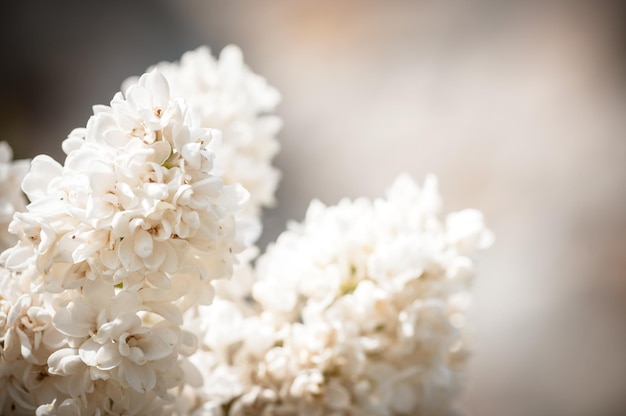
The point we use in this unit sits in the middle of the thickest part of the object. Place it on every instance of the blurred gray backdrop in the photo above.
(518, 107)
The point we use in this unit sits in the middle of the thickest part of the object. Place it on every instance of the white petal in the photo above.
(88, 351)
(43, 170)
(127, 256)
(101, 177)
(12, 345)
(66, 320)
(139, 96)
(65, 361)
(154, 348)
(143, 243)
(69, 407)
(168, 311)
(160, 88)
(171, 258)
(155, 259)
(108, 357)
(19, 257)
(140, 378)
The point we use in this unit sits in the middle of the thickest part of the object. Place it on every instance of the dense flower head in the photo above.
(228, 96)
(360, 310)
(12, 198)
(115, 245)
(135, 195)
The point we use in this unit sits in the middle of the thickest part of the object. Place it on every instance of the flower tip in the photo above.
(232, 53)
(6, 153)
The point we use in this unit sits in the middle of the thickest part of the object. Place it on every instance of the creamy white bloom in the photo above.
(12, 198)
(230, 97)
(27, 337)
(136, 194)
(116, 244)
(363, 307)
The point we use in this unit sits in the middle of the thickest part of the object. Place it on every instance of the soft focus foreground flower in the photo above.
(115, 245)
(230, 97)
(12, 198)
(360, 310)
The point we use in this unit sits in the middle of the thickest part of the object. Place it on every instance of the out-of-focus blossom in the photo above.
(359, 310)
(12, 198)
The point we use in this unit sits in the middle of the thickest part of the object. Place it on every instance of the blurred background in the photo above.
(518, 107)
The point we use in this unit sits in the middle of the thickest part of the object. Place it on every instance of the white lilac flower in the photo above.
(230, 97)
(360, 310)
(136, 194)
(12, 198)
(119, 241)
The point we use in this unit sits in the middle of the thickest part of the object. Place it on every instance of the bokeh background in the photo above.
(518, 107)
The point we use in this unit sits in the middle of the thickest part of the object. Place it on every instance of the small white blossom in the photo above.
(27, 338)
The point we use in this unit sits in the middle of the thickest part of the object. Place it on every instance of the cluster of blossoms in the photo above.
(359, 310)
(229, 97)
(115, 245)
(128, 287)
